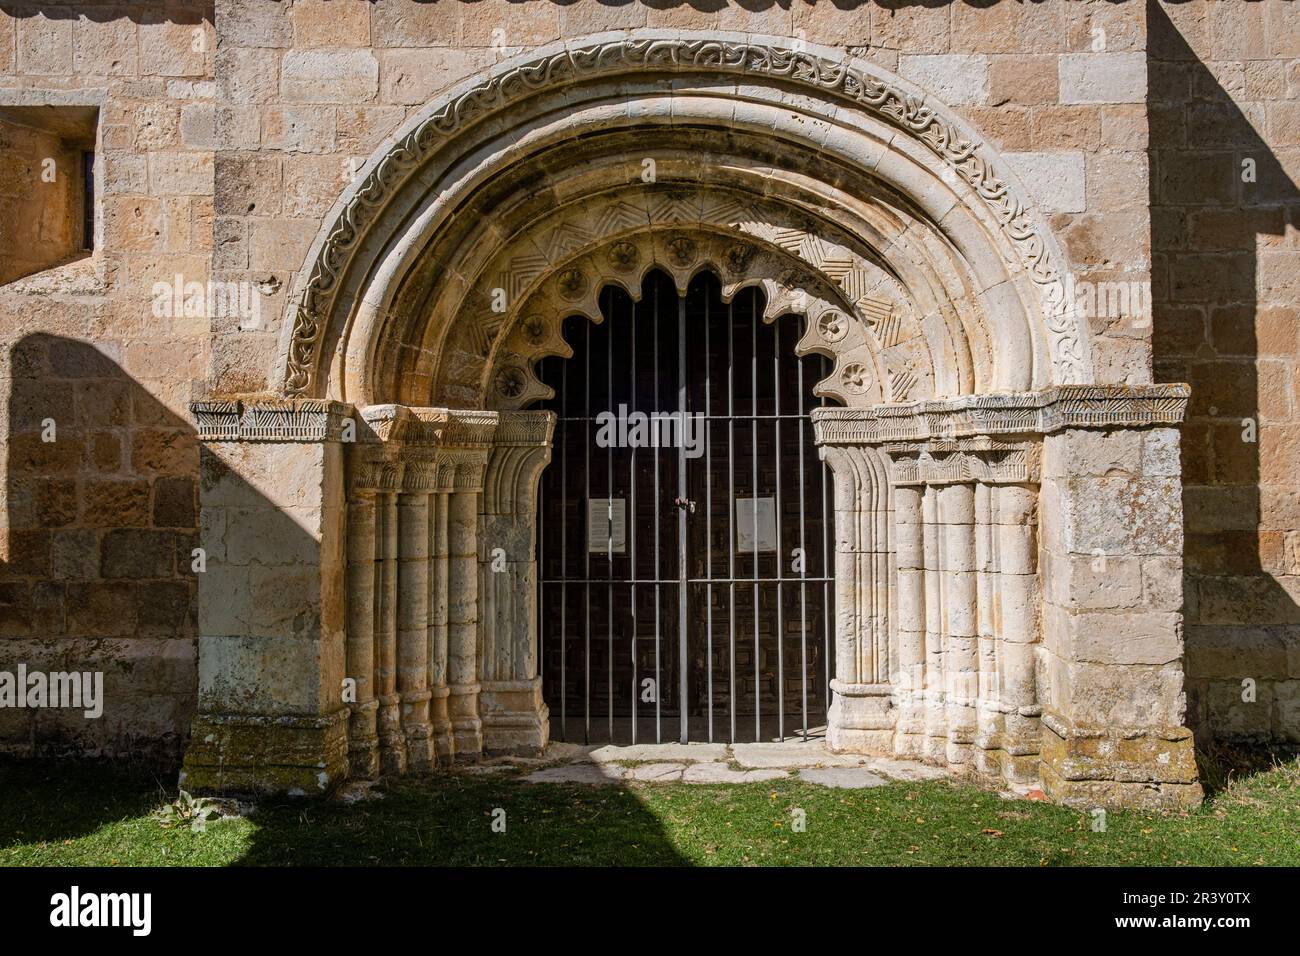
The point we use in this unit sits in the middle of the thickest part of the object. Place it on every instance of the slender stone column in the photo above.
(956, 505)
(936, 716)
(413, 615)
(462, 623)
(392, 747)
(443, 740)
(989, 719)
(363, 736)
(1017, 624)
(909, 677)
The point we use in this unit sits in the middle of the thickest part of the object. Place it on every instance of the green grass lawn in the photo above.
(78, 814)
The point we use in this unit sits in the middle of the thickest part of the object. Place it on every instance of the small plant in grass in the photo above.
(196, 811)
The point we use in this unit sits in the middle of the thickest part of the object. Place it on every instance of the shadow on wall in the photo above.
(101, 504)
(1224, 322)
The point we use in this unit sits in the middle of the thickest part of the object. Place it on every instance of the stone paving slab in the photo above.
(905, 769)
(655, 772)
(844, 778)
(589, 773)
(792, 755)
(682, 753)
(721, 773)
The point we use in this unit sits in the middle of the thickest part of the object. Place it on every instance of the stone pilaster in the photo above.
(272, 715)
(861, 715)
(1113, 723)
(1067, 670)
(515, 718)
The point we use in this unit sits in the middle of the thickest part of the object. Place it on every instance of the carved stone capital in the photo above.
(983, 459)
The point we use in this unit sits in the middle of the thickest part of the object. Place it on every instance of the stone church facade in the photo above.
(277, 430)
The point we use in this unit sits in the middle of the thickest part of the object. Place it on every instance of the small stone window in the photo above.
(47, 187)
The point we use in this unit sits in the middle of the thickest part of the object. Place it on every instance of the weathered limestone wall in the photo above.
(97, 526)
(1225, 91)
(227, 130)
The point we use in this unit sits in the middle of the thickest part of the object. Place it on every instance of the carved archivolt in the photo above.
(331, 295)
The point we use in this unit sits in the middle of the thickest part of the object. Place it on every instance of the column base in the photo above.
(251, 753)
(1100, 767)
(392, 745)
(467, 728)
(515, 719)
(861, 720)
(363, 741)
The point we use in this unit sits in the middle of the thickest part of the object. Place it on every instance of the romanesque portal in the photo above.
(389, 500)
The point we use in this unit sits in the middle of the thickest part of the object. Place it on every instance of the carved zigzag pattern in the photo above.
(482, 333)
(674, 210)
(565, 238)
(825, 257)
(619, 217)
(728, 212)
(523, 270)
(901, 382)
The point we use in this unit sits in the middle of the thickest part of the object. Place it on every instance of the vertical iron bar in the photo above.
(658, 591)
(683, 492)
(631, 551)
(731, 504)
(826, 573)
(753, 501)
(609, 509)
(586, 548)
(564, 551)
(780, 551)
(803, 554)
(708, 505)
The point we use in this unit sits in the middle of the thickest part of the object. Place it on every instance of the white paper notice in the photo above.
(606, 526)
(755, 517)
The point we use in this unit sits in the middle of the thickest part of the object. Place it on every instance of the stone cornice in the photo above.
(272, 420)
(1019, 413)
(440, 427)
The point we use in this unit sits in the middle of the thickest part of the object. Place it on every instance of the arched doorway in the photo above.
(684, 527)
(436, 290)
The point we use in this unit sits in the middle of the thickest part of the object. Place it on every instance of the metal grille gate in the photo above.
(672, 597)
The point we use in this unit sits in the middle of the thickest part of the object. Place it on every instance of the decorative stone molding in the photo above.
(980, 459)
(1040, 412)
(821, 72)
(275, 420)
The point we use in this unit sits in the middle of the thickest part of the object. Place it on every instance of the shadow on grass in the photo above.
(50, 801)
(465, 820)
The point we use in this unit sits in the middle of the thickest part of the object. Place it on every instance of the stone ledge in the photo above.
(270, 420)
(1038, 412)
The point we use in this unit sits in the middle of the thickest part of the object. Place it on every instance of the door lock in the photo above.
(686, 504)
